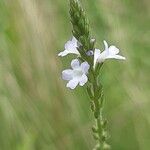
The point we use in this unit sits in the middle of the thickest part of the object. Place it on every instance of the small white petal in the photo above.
(72, 83)
(103, 56)
(71, 45)
(105, 53)
(64, 53)
(97, 54)
(116, 57)
(85, 67)
(83, 80)
(70, 48)
(74, 42)
(113, 50)
(75, 63)
(67, 74)
(106, 45)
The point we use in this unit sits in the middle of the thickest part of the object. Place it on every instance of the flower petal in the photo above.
(116, 57)
(106, 45)
(97, 54)
(64, 53)
(75, 63)
(72, 83)
(85, 67)
(74, 41)
(67, 74)
(71, 46)
(83, 80)
(113, 50)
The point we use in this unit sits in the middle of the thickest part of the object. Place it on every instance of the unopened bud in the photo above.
(92, 43)
(90, 53)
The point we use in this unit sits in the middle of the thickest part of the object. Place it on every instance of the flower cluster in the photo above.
(78, 73)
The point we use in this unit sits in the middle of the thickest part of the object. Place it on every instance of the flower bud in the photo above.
(90, 53)
(92, 43)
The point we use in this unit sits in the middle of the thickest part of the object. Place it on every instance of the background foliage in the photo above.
(37, 111)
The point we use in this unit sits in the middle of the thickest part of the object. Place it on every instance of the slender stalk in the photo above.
(99, 130)
(81, 32)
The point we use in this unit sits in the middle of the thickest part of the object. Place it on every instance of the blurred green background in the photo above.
(37, 111)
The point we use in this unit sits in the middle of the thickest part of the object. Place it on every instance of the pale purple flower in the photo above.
(109, 53)
(70, 48)
(76, 75)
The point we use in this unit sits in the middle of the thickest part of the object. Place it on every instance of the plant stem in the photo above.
(81, 32)
(99, 131)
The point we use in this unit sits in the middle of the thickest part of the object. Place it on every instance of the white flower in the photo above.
(70, 48)
(108, 53)
(76, 75)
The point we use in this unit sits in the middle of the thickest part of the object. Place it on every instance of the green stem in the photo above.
(100, 132)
